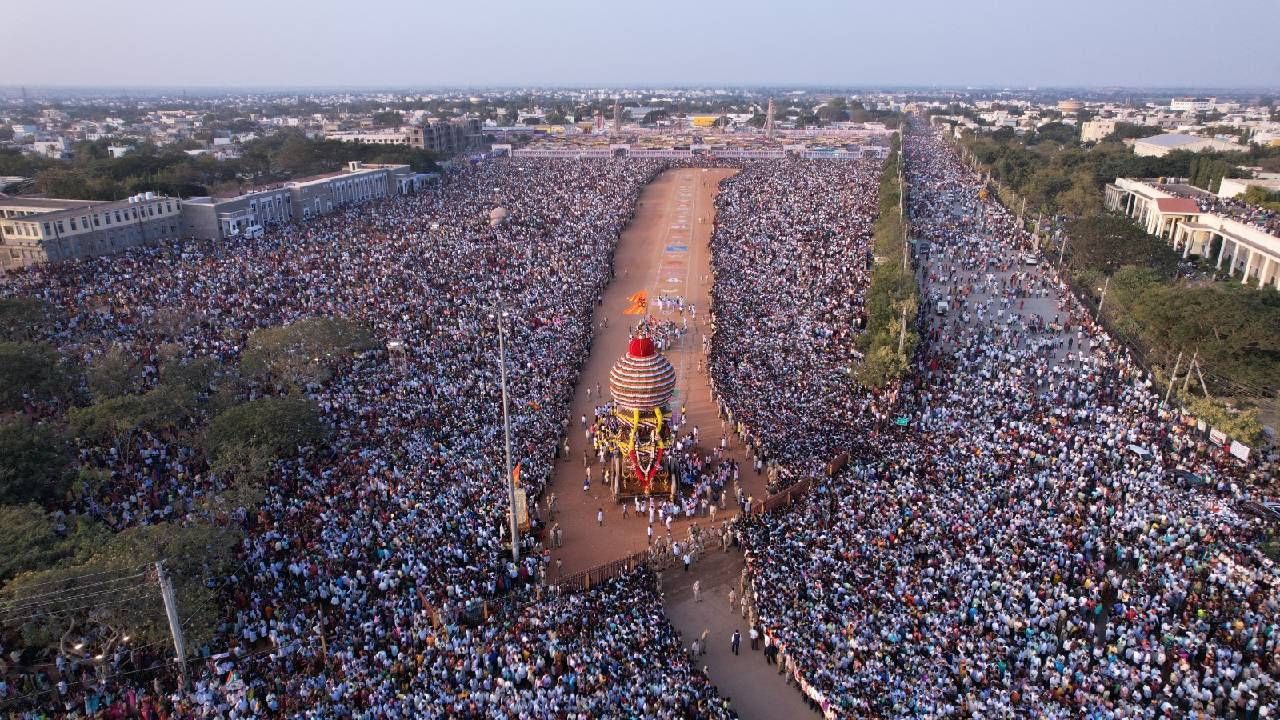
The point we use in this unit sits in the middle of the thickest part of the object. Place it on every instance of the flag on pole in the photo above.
(639, 304)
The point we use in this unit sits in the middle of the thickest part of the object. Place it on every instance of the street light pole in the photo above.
(1102, 300)
(506, 431)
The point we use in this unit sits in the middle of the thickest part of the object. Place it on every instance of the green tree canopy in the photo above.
(115, 372)
(304, 352)
(32, 541)
(47, 606)
(34, 462)
(24, 319)
(32, 370)
(248, 438)
(1106, 243)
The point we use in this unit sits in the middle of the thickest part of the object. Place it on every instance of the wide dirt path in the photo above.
(664, 251)
(755, 688)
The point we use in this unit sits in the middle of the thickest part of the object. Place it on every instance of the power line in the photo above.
(18, 603)
(65, 611)
(64, 598)
(86, 575)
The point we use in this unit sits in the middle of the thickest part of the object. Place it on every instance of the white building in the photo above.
(1247, 250)
(58, 149)
(1231, 187)
(1161, 145)
(396, 136)
(1192, 104)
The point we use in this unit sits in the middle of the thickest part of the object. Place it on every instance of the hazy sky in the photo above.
(419, 43)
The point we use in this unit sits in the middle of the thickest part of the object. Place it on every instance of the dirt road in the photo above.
(664, 251)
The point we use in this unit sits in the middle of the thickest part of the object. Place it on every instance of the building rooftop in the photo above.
(1177, 205)
(49, 204)
(1170, 139)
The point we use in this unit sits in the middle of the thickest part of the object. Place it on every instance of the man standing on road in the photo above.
(755, 637)
(697, 591)
(735, 641)
(600, 517)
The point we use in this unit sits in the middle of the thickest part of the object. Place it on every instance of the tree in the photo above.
(52, 605)
(1128, 131)
(34, 462)
(1083, 199)
(1106, 243)
(121, 417)
(653, 117)
(389, 118)
(31, 371)
(1055, 132)
(250, 437)
(24, 319)
(305, 352)
(1240, 425)
(113, 373)
(33, 541)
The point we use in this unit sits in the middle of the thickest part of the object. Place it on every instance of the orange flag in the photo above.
(639, 304)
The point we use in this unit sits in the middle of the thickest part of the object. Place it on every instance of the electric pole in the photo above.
(902, 332)
(175, 625)
(1187, 383)
(1105, 286)
(1172, 379)
(1200, 375)
(506, 431)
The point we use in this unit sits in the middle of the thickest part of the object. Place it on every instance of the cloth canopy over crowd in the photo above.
(1022, 548)
(365, 559)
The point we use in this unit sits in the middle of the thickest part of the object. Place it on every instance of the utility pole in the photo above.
(1172, 379)
(902, 332)
(1101, 301)
(506, 431)
(1200, 375)
(1186, 383)
(175, 625)
(1062, 250)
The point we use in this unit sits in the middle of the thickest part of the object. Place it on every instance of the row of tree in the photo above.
(889, 340)
(240, 419)
(91, 174)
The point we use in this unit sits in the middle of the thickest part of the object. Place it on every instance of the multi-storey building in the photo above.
(33, 230)
(221, 216)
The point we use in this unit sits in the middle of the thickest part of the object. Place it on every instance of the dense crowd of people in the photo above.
(1020, 548)
(1235, 208)
(366, 558)
(789, 253)
(1023, 547)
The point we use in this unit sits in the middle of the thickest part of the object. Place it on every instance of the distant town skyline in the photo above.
(503, 43)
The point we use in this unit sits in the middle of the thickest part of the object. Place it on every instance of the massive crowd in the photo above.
(1020, 548)
(789, 255)
(363, 561)
(1235, 208)
(1023, 547)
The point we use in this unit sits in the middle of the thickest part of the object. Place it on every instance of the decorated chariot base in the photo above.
(639, 434)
